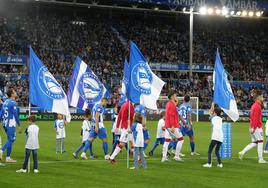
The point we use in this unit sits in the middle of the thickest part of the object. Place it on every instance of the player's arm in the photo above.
(182, 120)
(97, 116)
(65, 122)
(189, 115)
(211, 111)
(1, 114)
(55, 127)
(16, 115)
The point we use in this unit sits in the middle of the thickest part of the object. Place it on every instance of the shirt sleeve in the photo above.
(100, 109)
(189, 109)
(16, 114)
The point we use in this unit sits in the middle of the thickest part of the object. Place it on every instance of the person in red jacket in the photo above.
(256, 130)
(172, 131)
(124, 121)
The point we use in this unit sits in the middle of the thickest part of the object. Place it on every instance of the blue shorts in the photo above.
(102, 134)
(116, 138)
(186, 131)
(160, 141)
(11, 133)
(146, 135)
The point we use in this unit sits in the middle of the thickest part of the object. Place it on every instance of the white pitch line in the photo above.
(150, 159)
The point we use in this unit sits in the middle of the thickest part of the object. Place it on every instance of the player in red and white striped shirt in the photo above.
(256, 130)
(172, 131)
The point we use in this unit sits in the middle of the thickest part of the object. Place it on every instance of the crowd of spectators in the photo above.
(57, 40)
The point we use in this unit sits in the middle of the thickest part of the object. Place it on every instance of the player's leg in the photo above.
(178, 135)
(249, 146)
(246, 149)
(113, 138)
(57, 145)
(62, 145)
(122, 142)
(210, 149)
(35, 159)
(5, 145)
(142, 157)
(78, 150)
(259, 136)
(103, 136)
(115, 143)
(27, 156)
(217, 152)
(168, 139)
(86, 146)
(11, 139)
(136, 157)
(92, 136)
(156, 143)
(266, 146)
(146, 139)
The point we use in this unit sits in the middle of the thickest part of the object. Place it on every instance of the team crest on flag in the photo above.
(90, 88)
(49, 85)
(85, 88)
(142, 77)
(144, 86)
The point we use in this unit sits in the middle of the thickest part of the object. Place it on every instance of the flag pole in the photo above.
(29, 161)
(61, 139)
(128, 149)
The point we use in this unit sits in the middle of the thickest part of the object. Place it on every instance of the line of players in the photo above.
(93, 127)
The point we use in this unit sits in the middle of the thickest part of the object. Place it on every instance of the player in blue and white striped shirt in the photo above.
(98, 128)
(9, 114)
(185, 113)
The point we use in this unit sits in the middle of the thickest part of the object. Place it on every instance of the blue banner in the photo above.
(230, 4)
(181, 67)
(14, 60)
(226, 147)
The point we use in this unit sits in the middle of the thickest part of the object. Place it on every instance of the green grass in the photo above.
(64, 171)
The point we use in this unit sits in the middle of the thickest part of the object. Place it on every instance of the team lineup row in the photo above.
(129, 125)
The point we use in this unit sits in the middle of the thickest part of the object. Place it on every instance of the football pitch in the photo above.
(58, 170)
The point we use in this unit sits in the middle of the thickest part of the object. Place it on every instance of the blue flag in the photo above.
(45, 91)
(85, 89)
(125, 84)
(223, 94)
(144, 86)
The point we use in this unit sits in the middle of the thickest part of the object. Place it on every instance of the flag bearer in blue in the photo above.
(9, 114)
(98, 128)
(142, 110)
(185, 113)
